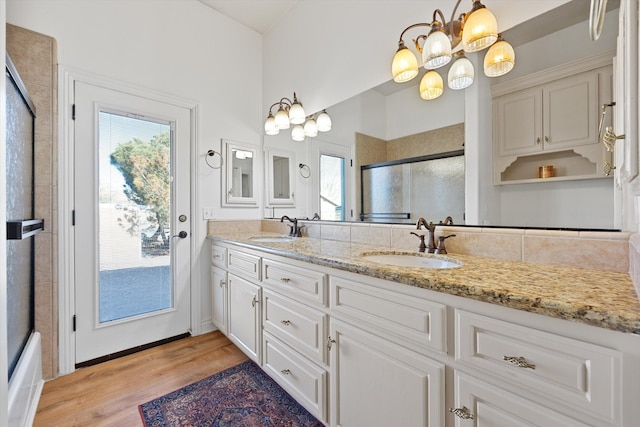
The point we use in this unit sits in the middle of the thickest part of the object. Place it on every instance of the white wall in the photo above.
(179, 47)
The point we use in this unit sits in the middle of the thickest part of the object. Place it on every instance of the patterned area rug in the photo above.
(239, 396)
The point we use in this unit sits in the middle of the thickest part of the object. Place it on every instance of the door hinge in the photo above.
(73, 217)
(351, 160)
(74, 323)
(73, 111)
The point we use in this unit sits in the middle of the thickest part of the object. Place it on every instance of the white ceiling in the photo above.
(259, 15)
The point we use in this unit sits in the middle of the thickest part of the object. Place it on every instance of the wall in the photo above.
(35, 58)
(179, 47)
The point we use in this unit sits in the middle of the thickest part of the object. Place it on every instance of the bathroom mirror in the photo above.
(279, 172)
(239, 183)
(392, 111)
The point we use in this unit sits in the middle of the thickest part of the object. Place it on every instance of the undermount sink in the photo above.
(412, 260)
(272, 239)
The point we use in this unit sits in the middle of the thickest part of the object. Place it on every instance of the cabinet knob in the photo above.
(285, 372)
(254, 301)
(538, 140)
(285, 322)
(330, 342)
(222, 282)
(520, 362)
(462, 413)
(285, 279)
(546, 139)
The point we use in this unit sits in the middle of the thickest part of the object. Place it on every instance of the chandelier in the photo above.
(446, 41)
(291, 113)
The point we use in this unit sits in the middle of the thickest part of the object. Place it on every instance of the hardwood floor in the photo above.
(108, 394)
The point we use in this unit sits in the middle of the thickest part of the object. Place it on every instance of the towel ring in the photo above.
(212, 153)
(305, 171)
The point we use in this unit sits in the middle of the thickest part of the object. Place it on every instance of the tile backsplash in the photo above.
(593, 250)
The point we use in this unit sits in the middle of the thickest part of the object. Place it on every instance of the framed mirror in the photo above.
(279, 177)
(239, 184)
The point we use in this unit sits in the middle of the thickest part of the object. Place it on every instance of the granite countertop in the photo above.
(596, 297)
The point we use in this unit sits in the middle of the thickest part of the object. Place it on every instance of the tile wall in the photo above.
(35, 58)
(601, 250)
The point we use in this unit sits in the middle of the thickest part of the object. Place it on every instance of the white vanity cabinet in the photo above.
(219, 298)
(361, 351)
(244, 316)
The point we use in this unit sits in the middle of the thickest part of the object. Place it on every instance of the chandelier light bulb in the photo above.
(282, 118)
(436, 51)
(500, 59)
(431, 86)
(323, 121)
(310, 128)
(460, 74)
(270, 127)
(297, 133)
(480, 29)
(405, 64)
(296, 112)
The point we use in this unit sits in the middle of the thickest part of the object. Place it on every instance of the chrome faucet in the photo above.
(431, 228)
(295, 231)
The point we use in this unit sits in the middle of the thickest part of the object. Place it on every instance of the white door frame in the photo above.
(66, 247)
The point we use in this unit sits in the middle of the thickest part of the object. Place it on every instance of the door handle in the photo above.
(182, 235)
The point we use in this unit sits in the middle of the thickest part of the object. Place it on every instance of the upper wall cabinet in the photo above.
(239, 186)
(280, 177)
(551, 118)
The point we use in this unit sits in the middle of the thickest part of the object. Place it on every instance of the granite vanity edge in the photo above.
(581, 313)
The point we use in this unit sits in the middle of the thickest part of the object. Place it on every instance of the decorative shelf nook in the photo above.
(551, 118)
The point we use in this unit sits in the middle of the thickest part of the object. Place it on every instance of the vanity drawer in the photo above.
(305, 381)
(244, 264)
(298, 325)
(219, 256)
(491, 406)
(406, 320)
(296, 282)
(581, 374)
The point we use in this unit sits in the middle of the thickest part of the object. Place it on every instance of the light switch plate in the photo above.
(208, 213)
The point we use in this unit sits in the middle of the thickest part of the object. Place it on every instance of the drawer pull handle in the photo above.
(285, 372)
(285, 279)
(254, 301)
(520, 362)
(330, 342)
(462, 413)
(285, 322)
(222, 282)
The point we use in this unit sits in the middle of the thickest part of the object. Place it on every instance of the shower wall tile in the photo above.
(35, 58)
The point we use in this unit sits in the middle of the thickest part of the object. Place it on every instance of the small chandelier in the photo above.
(470, 32)
(291, 113)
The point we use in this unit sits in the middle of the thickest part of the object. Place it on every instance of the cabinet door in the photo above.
(519, 122)
(219, 299)
(244, 316)
(482, 405)
(377, 383)
(570, 108)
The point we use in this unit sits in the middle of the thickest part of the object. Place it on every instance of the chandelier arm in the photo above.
(453, 14)
(439, 12)
(420, 24)
(288, 103)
